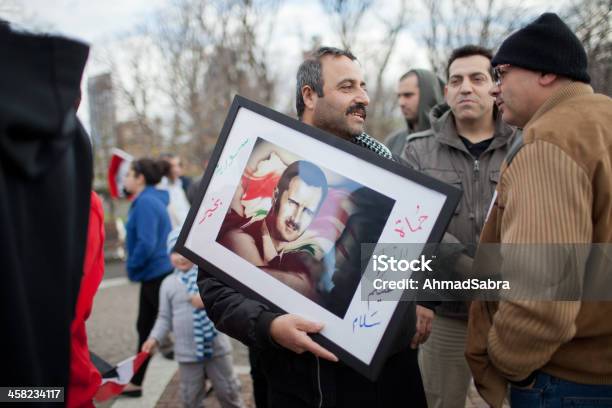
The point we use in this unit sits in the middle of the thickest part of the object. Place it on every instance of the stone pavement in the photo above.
(112, 335)
(170, 397)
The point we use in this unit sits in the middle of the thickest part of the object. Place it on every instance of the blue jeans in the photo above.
(552, 392)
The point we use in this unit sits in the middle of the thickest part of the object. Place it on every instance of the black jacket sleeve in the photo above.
(244, 319)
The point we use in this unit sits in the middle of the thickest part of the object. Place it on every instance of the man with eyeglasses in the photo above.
(464, 147)
(554, 189)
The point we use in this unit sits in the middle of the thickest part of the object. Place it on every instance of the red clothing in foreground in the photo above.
(84, 377)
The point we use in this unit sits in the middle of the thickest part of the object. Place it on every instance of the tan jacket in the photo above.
(557, 189)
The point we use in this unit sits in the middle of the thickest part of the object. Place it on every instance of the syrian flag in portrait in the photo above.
(114, 379)
(117, 169)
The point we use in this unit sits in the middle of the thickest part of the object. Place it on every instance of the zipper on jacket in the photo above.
(476, 222)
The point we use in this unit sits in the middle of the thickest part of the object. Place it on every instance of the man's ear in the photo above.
(274, 196)
(310, 97)
(547, 79)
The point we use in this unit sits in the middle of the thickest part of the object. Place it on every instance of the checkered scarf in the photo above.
(203, 329)
(364, 140)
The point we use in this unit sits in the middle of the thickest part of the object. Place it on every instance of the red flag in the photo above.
(117, 169)
(115, 380)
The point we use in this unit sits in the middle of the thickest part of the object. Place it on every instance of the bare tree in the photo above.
(134, 83)
(453, 23)
(383, 95)
(213, 51)
(202, 53)
(347, 17)
(185, 35)
(591, 20)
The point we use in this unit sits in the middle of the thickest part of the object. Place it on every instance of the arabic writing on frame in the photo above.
(413, 226)
(227, 163)
(366, 320)
(216, 203)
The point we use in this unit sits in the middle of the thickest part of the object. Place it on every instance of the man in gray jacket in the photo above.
(464, 147)
(418, 90)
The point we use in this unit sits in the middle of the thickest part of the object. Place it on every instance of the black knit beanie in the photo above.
(546, 45)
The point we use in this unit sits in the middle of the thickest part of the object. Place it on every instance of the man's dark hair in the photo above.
(152, 170)
(468, 51)
(310, 173)
(309, 73)
(407, 74)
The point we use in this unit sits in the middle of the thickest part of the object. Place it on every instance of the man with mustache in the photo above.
(298, 196)
(464, 147)
(330, 95)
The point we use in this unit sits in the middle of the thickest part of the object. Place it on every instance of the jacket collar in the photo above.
(445, 131)
(569, 91)
(147, 191)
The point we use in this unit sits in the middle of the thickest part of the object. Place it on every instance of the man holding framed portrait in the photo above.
(331, 96)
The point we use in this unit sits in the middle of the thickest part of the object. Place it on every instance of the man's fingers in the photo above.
(415, 341)
(421, 326)
(318, 350)
(419, 337)
(308, 326)
(291, 332)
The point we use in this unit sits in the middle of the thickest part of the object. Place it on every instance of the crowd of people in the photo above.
(519, 131)
(523, 135)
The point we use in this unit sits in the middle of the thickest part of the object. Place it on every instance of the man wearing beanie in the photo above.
(554, 189)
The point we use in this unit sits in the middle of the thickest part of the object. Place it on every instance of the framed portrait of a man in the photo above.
(287, 216)
(283, 212)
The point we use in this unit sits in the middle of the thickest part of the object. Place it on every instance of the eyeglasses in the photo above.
(498, 73)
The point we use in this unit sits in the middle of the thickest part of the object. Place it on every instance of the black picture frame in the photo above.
(363, 158)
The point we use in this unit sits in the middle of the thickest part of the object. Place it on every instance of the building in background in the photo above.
(102, 123)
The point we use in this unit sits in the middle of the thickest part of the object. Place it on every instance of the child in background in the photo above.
(198, 347)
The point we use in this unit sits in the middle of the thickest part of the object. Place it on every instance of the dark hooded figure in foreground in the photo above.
(45, 183)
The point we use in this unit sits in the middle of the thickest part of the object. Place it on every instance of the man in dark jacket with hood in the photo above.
(45, 183)
(464, 147)
(418, 90)
(331, 96)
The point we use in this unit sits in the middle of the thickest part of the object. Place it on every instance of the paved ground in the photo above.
(112, 335)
